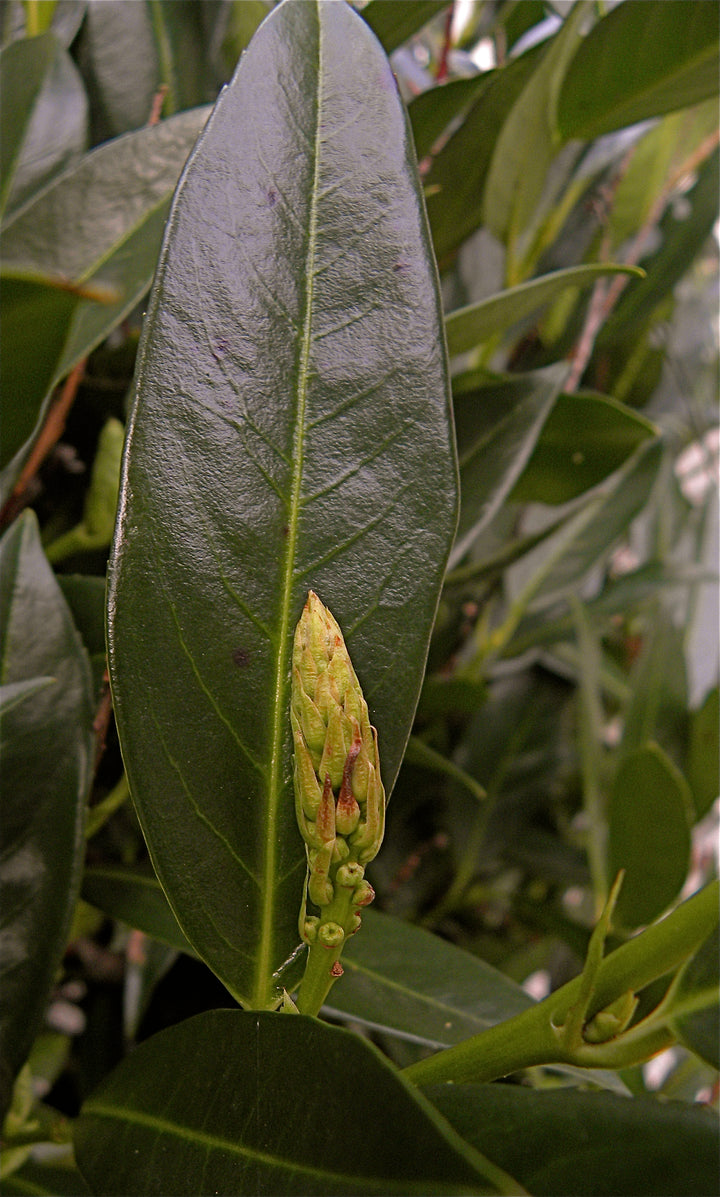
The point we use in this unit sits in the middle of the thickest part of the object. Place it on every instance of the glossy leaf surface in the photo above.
(648, 833)
(242, 1118)
(291, 431)
(43, 116)
(47, 750)
(644, 60)
(570, 1144)
(119, 60)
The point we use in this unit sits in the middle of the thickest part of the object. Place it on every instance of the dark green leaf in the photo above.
(136, 899)
(394, 21)
(597, 529)
(37, 311)
(571, 1144)
(471, 326)
(43, 116)
(85, 597)
(456, 181)
(648, 834)
(640, 61)
(414, 985)
(696, 1016)
(47, 752)
(491, 464)
(101, 223)
(585, 438)
(45, 1180)
(266, 1103)
(291, 430)
(704, 755)
(433, 110)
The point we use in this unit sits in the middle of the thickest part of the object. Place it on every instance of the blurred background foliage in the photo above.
(568, 721)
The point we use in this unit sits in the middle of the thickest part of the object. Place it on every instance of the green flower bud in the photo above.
(349, 875)
(611, 1021)
(364, 895)
(339, 797)
(330, 935)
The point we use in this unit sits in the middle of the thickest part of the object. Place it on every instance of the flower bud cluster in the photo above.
(339, 796)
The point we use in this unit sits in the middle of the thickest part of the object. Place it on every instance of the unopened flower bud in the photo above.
(330, 935)
(611, 1021)
(364, 895)
(349, 875)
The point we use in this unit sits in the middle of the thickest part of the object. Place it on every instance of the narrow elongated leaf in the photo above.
(642, 60)
(267, 1104)
(658, 707)
(470, 326)
(526, 145)
(456, 180)
(46, 751)
(136, 899)
(703, 764)
(683, 234)
(490, 467)
(101, 223)
(37, 313)
(570, 1144)
(585, 438)
(410, 983)
(291, 430)
(43, 116)
(696, 1015)
(433, 110)
(648, 833)
(598, 529)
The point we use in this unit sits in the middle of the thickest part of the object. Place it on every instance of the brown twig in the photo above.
(157, 104)
(442, 70)
(49, 435)
(606, 294)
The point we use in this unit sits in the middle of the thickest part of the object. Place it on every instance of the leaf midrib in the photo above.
(261, 994)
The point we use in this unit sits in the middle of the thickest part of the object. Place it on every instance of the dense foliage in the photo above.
(448, 360)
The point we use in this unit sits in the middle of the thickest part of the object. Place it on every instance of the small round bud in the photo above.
(350, 875)
(330, 935)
